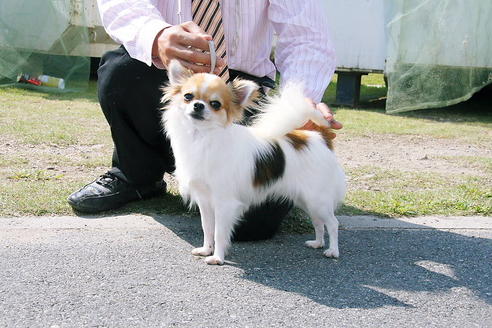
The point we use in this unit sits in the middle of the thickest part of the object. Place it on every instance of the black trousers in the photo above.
(130, 96)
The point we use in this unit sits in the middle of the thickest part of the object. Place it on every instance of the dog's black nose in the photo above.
(198, 107)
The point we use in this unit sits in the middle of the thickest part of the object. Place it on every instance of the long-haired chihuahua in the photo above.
(225, 167)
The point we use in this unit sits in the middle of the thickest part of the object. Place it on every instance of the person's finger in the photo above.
(192, 27)
(336, 125)
(193, 56)
(197, 57)
(328, 115)
(194, 36)
(325, 110)
(195, 68)
(191, 62)
(193, 40)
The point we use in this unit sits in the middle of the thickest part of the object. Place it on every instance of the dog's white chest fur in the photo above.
(206, 160)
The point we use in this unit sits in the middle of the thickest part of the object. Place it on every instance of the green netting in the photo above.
(439, 52)
(44, 38)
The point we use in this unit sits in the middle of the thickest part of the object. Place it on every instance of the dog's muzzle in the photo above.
(198, 109)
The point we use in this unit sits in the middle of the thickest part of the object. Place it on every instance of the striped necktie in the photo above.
(208, 15)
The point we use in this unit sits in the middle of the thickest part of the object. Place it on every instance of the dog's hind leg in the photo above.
(226, 215)
(319, 229)
(326, 215)
(331, 223)
(207, 217)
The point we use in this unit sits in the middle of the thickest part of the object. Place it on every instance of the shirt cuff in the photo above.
(315, 95)
(146, 39)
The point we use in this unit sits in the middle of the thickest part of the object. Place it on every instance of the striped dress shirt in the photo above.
(304, 52)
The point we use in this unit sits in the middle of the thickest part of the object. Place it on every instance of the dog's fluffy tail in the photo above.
(286, 112)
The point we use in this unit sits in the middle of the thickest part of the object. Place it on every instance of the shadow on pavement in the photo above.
(374, 264)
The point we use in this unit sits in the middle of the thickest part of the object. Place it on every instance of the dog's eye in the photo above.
(215, 104)
(188, 97)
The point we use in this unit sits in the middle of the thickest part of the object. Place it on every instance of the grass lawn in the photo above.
(430, 162)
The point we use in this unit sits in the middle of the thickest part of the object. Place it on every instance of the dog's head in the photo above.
(206, 99)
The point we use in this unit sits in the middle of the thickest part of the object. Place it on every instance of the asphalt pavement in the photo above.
(137, 271)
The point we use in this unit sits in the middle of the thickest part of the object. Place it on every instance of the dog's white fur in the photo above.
(215, 161)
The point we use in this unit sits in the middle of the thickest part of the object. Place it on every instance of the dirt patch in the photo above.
(72, 161)
(388, 152)
(412, 153)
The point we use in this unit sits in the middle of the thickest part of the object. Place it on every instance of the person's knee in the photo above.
(113, 78)
(122, 78)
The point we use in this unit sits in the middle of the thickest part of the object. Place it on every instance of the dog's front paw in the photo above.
(314, 244)
(331, 252)
(202, 251)
(214, 260)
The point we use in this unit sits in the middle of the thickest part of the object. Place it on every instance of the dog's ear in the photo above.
(177, 73)
(244, 91)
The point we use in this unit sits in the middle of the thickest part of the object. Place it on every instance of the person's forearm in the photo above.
(304, 51)
(134, 24)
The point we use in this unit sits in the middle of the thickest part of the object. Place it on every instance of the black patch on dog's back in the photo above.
(269, 165)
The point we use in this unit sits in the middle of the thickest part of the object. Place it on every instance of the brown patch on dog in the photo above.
(327, 134)
(298, 139)
(269, 166)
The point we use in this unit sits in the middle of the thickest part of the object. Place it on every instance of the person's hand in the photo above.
(185, 43)
(327, 114)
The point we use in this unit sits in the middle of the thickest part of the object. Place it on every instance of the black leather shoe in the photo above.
(109, 192)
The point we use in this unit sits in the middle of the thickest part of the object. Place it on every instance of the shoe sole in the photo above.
(99, 209)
